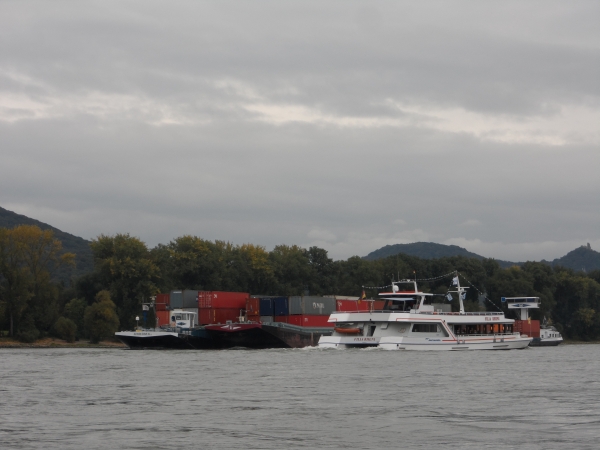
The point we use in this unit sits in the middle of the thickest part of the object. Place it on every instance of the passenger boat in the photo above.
(409, 321)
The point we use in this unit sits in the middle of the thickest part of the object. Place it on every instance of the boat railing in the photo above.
(486, 335)
(434, 313)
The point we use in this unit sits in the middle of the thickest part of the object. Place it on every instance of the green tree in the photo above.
(66, 329)
(126, 269)
(74, 311)
(101, 320)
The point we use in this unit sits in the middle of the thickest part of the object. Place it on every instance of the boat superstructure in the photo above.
(409, 321)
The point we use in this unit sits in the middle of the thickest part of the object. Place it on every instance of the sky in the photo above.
(343, 124)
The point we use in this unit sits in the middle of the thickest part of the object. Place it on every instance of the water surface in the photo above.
(538, 398)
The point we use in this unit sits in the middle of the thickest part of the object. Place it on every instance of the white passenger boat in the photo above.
(409, 321)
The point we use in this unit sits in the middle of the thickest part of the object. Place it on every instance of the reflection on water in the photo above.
(542, 398)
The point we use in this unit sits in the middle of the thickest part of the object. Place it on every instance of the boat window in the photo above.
(425, 328)
(371, 330)
(177, 317)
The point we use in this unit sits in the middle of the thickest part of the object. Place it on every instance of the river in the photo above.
(537, 398)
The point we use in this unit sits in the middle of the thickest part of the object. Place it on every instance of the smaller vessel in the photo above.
(168, 337)
(542, 335)
(549, 337)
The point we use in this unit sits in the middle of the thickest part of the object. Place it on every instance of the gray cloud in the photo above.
(345, 125)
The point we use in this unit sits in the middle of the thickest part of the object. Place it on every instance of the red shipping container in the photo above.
(283, 319)
(306, 320)
(162, 318)
(161, 303)
(222, 300)
(218, 315)
(352, 305)
(253, 307)
(253, 318)
(530, 329)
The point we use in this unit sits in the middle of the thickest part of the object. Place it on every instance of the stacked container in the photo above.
(162, 302)
(530, 328)
(162, 318)
(253, 309)
(220, 307)
(313, 306)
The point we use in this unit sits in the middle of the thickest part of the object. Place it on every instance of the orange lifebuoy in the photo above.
(347, 330)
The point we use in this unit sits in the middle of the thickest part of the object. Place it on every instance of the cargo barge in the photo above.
(224, 336)
(232, 319)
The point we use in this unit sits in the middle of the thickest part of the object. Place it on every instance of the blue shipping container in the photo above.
(280, 306)
(266, 306)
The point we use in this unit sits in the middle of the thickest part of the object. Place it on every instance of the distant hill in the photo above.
(84, 259)
(428, 250)
(582, 258)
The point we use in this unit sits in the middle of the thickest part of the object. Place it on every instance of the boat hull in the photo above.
(152, 339)
(391, 343)
(545, 342)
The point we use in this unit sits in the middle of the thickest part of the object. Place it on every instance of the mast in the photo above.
(460, 291)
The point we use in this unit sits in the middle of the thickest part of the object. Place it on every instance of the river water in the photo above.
(537, 398)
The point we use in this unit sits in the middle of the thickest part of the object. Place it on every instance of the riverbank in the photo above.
(6, 342)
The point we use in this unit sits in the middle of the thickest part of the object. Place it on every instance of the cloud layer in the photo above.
(345, 125)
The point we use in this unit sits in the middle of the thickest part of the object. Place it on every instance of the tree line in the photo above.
(127, 273)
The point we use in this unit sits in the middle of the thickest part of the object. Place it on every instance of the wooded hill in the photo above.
(84, 260)
(582, 258)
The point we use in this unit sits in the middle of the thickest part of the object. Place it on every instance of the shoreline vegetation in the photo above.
(51, 342)
(34, 305)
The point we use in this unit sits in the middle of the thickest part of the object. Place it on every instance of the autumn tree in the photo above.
(28, 255)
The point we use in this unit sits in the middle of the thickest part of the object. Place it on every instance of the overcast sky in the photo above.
(346, 125)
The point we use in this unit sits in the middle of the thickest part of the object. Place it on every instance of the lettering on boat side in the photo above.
(142, 334)
(364, 339)
(492, 318)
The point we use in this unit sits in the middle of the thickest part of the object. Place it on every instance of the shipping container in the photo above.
(283, 319)
(305, 320)
(219, 315)
(222, 300)
(253, 307)
(176, 299)
(162, 318)
(322, 306)
(253, 318)
(530, 329)
(190, 299)
(266, 306)
(161, 302)
(280, 306)
(353, 305)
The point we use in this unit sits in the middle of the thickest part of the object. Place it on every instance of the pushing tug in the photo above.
(542, 336)
(409, 321)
